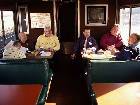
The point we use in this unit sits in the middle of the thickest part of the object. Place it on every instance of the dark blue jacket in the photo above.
(127, 53)
(91, 42)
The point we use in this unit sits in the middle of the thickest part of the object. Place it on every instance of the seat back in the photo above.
(23, 71)
(114, 71)
(68, 47)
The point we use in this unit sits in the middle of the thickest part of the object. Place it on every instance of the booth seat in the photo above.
(25, 72)
(102, 71)
(114, 71)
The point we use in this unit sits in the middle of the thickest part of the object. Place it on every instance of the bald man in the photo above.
(23, 40)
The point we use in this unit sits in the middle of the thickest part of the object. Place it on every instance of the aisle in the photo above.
(68, 87)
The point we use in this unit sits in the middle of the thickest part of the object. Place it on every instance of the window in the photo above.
(135, 20)
(7, 32)
(129, 22)
(8, 22)
(124, 24)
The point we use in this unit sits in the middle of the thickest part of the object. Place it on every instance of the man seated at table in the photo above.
(84, 42)
(134, 42)
(23, 40)
(47, 42)
(112, 41)
(14, 51)
(132, 50)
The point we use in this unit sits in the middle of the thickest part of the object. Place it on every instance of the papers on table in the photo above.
(43, 53)
(97, 56)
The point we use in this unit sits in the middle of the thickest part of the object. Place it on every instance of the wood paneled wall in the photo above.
(38, 6)
(98, 31)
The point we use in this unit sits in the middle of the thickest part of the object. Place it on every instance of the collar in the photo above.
(48, 36)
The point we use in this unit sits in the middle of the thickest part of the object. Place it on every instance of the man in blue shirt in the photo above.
(85, 41)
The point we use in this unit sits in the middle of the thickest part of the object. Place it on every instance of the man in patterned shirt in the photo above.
(14, 51)
(47, 41)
